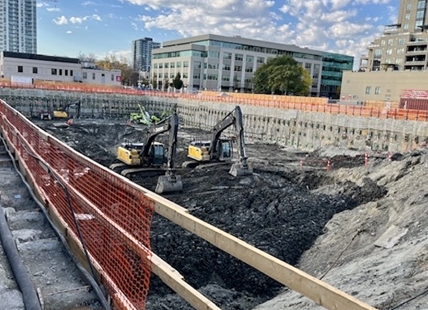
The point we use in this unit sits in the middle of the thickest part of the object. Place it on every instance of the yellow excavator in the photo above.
(64, 112)
(219, 150)
(152, 156)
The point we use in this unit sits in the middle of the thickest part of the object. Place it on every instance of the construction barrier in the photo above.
(107, 218)
(308, 104)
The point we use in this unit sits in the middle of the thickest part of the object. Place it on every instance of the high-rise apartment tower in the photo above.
(402, 46)
(142, 53)
(18, 22)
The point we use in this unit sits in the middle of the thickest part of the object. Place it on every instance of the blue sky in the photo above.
(107, 27)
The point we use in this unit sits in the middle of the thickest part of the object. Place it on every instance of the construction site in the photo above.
(252, 207)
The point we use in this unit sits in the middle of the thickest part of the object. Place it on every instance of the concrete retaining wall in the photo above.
(304, 130)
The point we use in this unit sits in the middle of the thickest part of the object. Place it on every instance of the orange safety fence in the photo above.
(106, 215)
(313, 104)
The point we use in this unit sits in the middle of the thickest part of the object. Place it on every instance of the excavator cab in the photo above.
(157, 154)
(225, 150)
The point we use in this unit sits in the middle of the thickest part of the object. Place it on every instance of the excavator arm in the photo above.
(169, 124)
(170, 182)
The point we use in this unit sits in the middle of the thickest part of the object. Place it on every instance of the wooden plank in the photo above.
(175, 281)
(322, 293)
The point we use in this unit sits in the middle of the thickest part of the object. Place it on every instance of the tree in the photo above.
(155, 81)
(128, 75)
(282, 75)
(165, 84)
(177, 82)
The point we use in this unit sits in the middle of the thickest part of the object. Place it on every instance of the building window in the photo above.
(54, 71)
(421, 4)
(377, 53)
(172, 65)
(185, 75)
(60, 71)
(185, 64)
(239, 57)
(71, 72)
(160, 75)
(368, 89)
(155, 66)
(238, 68)
(226, 67)
(401, 41)
(179, 64)
(406, 26)
(409, 7)
(93, 75)
(249, 59)
(390, 42)
(85, 75)
(20, 69)
(377, 90)
(171, 75)
(66, 72)
(227, 55)
(35, 71)
(260, 60)
(161, 66)
(112, 77)
(249, 69)
(407, 17)
(166, 65)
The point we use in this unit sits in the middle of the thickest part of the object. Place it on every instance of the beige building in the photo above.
(396, 61)
(54, 68)
(381, 85)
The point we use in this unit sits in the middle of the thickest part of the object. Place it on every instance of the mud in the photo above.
(277, 210)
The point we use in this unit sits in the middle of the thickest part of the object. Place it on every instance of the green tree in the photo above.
(177, 82)
(282, 75)
(165, 84)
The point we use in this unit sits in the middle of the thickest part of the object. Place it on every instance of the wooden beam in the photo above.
(175, 281)
(320, 292)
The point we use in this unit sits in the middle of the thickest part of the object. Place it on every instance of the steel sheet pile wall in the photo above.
(105, 215)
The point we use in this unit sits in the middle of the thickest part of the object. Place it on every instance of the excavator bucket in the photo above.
(169, 183)
(238, 169)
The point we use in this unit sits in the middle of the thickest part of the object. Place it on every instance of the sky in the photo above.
(102, 28)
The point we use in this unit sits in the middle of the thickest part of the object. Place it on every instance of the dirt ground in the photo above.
(322, 212)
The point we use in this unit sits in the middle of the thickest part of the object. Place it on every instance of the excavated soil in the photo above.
(278, 210)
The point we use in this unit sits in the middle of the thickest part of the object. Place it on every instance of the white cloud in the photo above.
(62, 20)
(76, 20)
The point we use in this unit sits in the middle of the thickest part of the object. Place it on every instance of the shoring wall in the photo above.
(304, 126)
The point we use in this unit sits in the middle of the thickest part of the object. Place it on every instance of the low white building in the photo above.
(54, 68)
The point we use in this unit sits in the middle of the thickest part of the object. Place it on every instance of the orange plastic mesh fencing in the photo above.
(108, 216)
